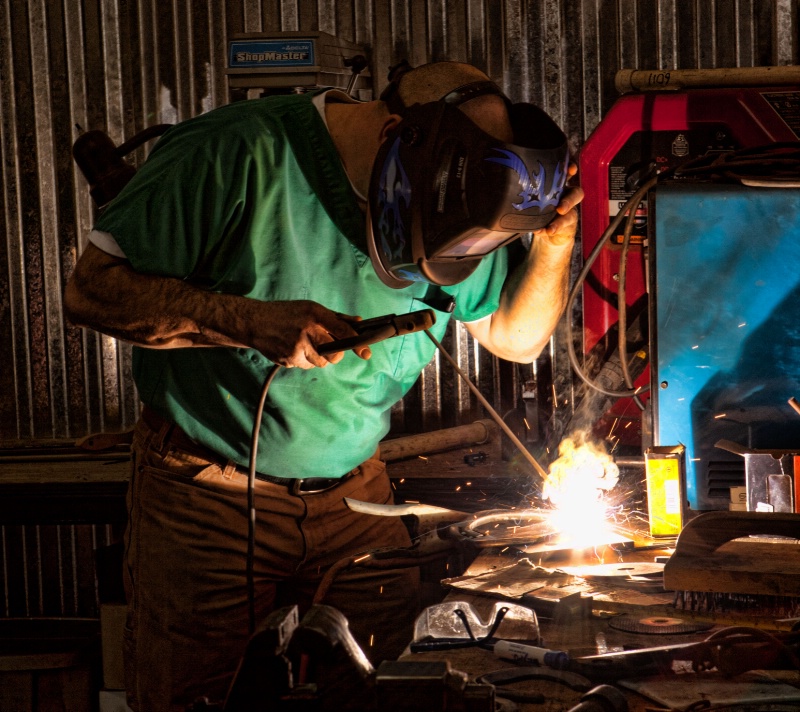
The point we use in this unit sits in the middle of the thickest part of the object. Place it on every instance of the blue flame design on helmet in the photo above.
(532, 186)
(394, 187)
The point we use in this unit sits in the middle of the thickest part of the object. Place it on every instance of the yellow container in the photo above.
(664, 476)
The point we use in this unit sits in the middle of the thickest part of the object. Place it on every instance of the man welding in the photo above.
(242, 243)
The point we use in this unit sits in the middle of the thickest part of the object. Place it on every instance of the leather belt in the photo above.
(179, 439)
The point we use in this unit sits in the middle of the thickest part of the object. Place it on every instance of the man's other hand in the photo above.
(561, 229)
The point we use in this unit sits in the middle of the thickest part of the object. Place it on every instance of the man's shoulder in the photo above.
(246, 120)
(272, 110)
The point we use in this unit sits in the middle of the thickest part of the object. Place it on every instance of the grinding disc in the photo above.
(620, 569)
(657, 625)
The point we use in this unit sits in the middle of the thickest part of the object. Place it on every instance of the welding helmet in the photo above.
(444, 193)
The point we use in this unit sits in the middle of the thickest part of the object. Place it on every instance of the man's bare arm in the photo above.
(106, 294)
(535, 294)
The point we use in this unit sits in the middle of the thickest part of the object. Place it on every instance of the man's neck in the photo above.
(356, 135)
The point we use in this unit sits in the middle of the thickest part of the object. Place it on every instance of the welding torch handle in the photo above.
(370, 331)
(365, 338)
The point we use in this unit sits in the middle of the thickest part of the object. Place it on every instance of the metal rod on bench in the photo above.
(477, 433)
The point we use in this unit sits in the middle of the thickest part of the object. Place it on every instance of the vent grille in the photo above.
(722, 475)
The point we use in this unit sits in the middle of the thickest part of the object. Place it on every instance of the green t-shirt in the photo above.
(252, 199)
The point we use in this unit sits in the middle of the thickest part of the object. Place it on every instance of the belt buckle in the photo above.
(297, 484)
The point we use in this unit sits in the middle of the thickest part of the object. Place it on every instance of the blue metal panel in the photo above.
(725, 262)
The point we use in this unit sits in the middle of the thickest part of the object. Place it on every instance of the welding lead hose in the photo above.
(485, 403)
(622, 306)
(633, 201)
(251, 500)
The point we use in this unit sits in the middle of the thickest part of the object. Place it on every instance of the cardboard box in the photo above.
(739, 495)
(772, 477)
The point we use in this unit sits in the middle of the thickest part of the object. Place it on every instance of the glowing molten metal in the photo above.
(576, 487)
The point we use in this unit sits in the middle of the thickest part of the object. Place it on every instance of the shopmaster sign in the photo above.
(271, 53)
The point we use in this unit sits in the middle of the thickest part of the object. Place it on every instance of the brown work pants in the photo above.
(185, 568)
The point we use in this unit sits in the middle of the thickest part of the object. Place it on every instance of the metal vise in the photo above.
(335, 674)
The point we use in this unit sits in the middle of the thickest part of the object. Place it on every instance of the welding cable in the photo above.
(630, 205)
(729, 635)
(775, 165)
(251, 499)
(622, 308)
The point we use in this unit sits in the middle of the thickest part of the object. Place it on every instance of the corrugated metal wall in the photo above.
(121, 65)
